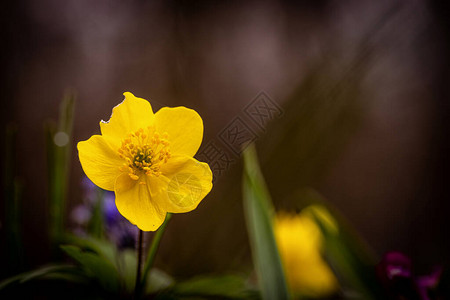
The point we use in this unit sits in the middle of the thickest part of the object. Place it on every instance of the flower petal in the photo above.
(134, 202)
(99, 161)
(183, 184)
(184, 126)
(131, 114)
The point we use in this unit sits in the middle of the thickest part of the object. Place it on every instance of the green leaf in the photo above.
(127, 269)
(259, 214)
(222, 287)
(51, 272)
(347, 254)
(96, 266)
(157, 280)
(104, 248)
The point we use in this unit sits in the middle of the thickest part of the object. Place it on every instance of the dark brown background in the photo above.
(363, 84)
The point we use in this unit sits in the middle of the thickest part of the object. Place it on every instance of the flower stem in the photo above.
(153, 249)
(139, 264)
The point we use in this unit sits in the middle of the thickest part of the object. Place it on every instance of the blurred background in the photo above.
(363, 87)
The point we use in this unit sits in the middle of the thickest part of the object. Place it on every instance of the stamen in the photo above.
(133, 176)
(144, 153)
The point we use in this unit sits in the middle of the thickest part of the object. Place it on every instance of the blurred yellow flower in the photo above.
(147, 159)
(300, 245)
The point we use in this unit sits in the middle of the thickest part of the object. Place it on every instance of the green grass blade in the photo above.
(58, 142)
(96, 224)
(259, 215)
(13, 189)
(347, 253)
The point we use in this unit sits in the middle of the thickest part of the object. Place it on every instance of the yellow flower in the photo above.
(147, 159)
(300, 244)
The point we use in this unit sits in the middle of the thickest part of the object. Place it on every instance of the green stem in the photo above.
(153, 249)
(139, 265)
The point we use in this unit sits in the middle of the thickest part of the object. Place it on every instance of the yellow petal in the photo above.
(134, 202)
(184, 126)
(99, 161)
(299, 242)
(183, 184)
(314, 278)
(130, 115)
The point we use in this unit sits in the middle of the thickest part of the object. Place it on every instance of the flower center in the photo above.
(144, 152)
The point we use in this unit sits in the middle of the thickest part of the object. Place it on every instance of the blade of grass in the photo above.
(13, 189)
(259, 215)
(58, 140)
(347, 253)
(95, 226)
(66, 272)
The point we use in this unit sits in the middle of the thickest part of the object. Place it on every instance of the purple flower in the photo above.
(396, 276)
(116, 228)
(110, 212)
(90, 191)
(396, 265)
(394, 271)
(81, 215)
(428, 282)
